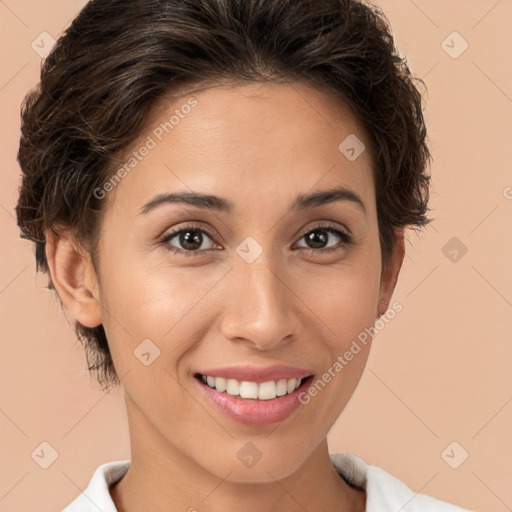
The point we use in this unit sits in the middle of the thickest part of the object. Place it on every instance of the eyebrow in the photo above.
(220, 204)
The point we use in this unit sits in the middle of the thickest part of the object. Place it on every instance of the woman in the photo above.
(218, 191)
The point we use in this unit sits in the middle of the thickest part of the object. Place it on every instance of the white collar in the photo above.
(382, 488)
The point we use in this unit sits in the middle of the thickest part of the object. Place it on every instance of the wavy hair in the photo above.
(118, 58)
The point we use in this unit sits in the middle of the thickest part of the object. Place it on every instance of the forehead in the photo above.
(251, 142)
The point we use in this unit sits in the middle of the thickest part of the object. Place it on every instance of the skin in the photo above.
(259, 146)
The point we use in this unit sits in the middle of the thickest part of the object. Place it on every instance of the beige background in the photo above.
(438, 373)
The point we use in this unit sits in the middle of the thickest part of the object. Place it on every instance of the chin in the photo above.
(261, 472)
(250, 466)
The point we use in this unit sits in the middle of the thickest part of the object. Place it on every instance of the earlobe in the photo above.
(390, 274)
(73, 276)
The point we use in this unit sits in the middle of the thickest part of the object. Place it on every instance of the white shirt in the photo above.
(384, 492)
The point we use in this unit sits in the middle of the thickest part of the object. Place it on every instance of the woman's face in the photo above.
(248, 294)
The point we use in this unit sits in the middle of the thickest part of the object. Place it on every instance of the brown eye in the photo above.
(319, 238)
(191, 241)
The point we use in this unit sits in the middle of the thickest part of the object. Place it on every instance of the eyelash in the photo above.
(346, 239)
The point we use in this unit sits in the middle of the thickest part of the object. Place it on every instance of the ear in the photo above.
(73, 276)
(389, 275)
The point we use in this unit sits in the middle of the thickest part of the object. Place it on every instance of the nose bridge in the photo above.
(260, 306)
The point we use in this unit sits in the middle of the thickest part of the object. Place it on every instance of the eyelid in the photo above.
(342, 232)
(167, 236)
(328, 226)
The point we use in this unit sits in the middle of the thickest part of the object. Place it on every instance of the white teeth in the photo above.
(248, 389)
(220, 384)
(267, 390)
(281, 387)
(245, 389)
(232, 387)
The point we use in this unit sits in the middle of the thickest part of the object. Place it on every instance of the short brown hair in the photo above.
(120, 57)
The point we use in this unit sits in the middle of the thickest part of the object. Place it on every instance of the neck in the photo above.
(162, 477)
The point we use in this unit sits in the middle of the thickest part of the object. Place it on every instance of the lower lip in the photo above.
(255, 412)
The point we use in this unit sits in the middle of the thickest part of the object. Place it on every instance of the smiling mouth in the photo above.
(268, 390)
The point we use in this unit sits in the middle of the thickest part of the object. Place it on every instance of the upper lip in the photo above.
(258, 373)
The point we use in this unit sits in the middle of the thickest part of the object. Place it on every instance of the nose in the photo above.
(260, 308)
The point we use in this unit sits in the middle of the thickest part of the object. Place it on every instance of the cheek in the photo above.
(344, 303)
(146, 297)
(166, 305)
(347, 310)
(344, 299)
